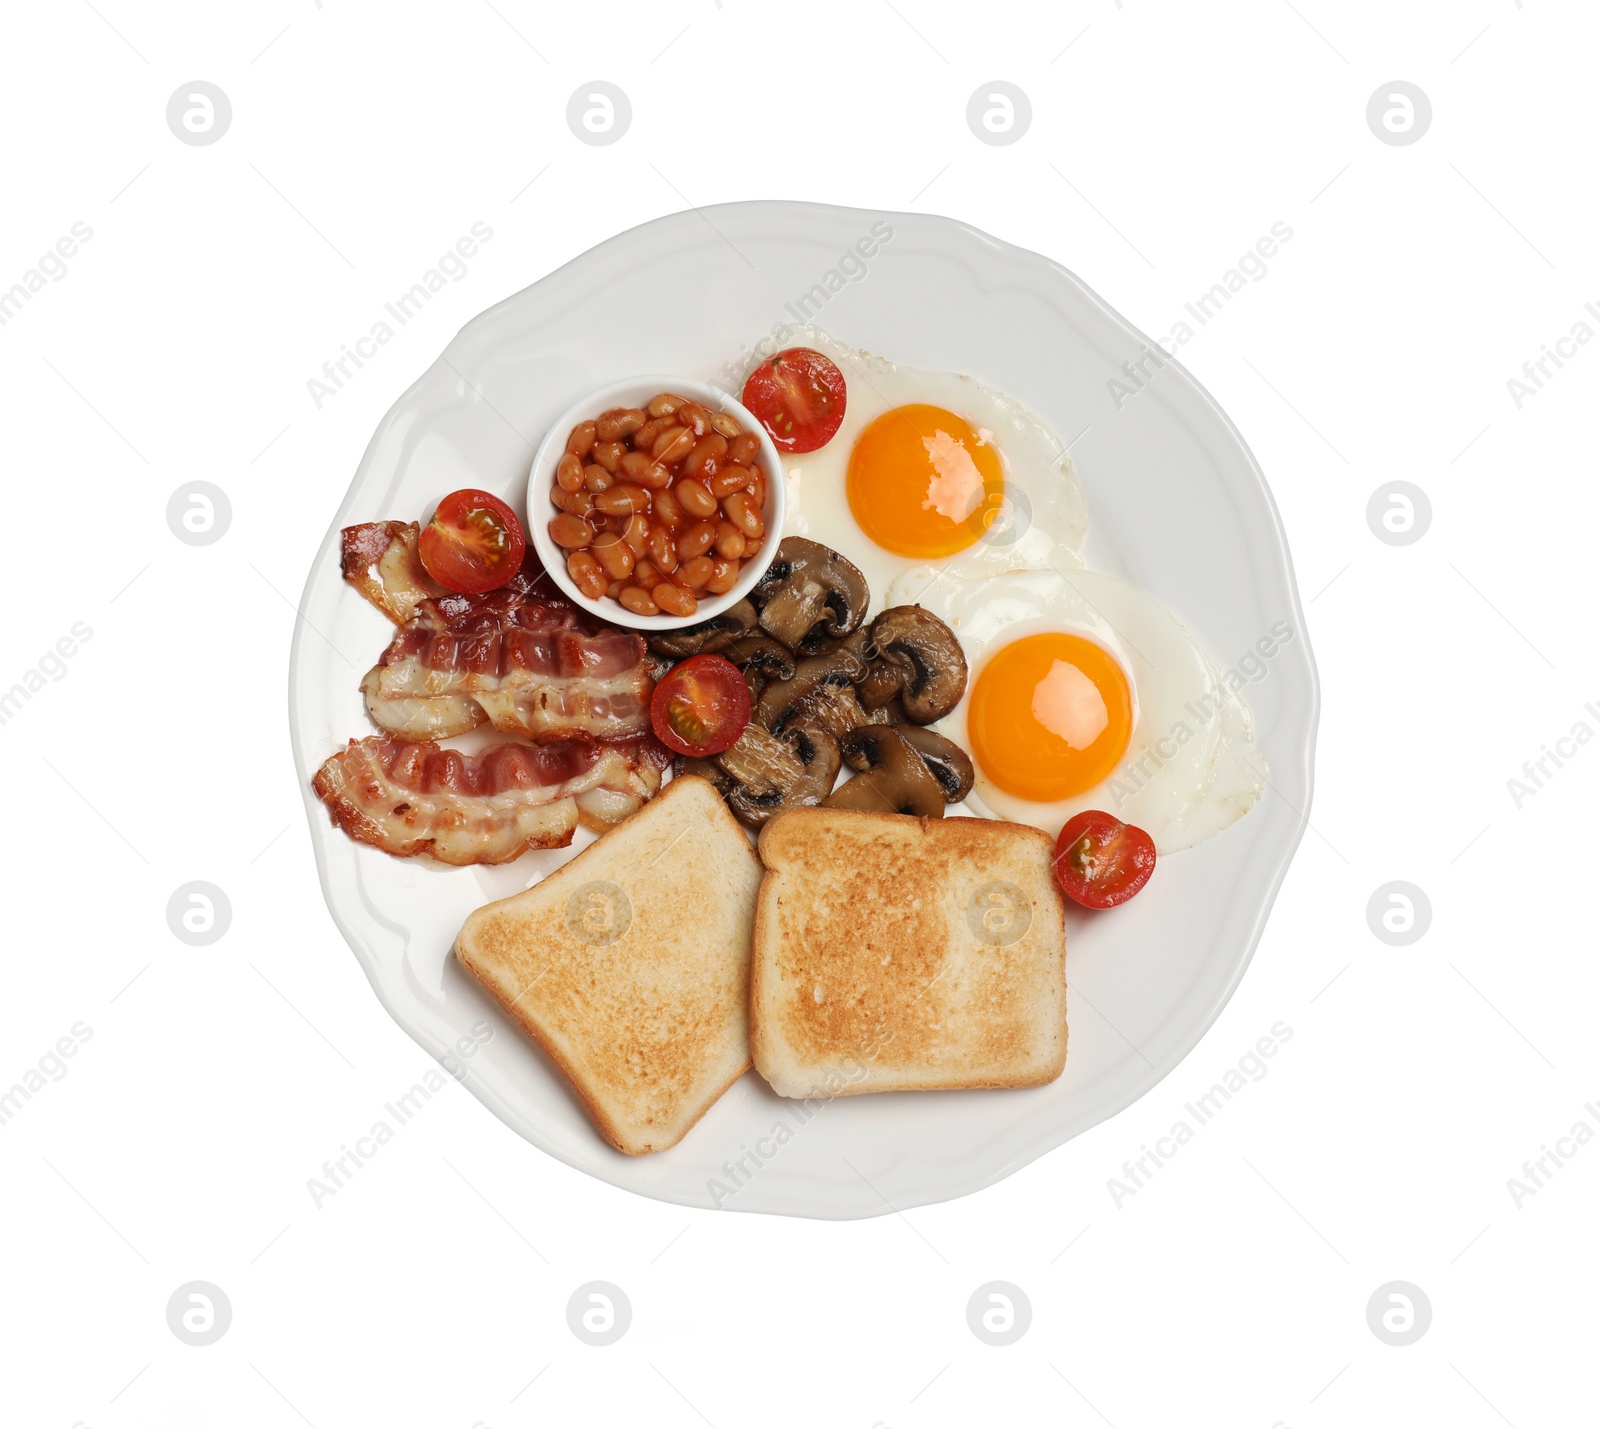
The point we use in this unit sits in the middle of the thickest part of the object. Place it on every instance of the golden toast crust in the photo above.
(628, 966)
(896, 953)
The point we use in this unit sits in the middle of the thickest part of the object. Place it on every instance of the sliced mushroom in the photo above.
(893, 713)
(810, 594)
(946, 760)
(836, 709)
(894, 778)
(763, 653)
(761, 660)
(818, 682)
(771, 775)
(707, 769)
(709, 636)
(928, 658)
(881, 685)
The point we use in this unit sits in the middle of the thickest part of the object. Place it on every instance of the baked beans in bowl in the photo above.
(656, 502)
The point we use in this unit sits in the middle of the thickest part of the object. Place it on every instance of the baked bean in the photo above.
(693, 575)
(619, 423)
(730, 541)
(758, 488)
(728, 426)
(581, 442)
(608, 454)
(695, 417)
(622, 500)
(672, 445)
(729, 480)
(664, 405)
(672, 599)
(614, 555)
(634, 464)
(743, 448)
(576, 503)
(650, 431)
(640, 470)
(704, 456)
(663, 555)
(614, 589)
(572, 532)
(569, 472)
(645, 574)
(742, 510)
(638, 601)
(596, 478)
(636, 533)
(586, 574)
(695, 498)
(696, 541)
(723, 576)
(668, 512)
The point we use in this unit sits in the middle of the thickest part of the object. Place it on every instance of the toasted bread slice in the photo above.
(629, 966)
(903, 954)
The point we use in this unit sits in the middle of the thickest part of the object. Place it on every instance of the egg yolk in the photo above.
(1050, 716)
(923, 483)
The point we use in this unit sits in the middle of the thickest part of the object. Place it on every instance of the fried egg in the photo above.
(1086, 693)
(933, 467)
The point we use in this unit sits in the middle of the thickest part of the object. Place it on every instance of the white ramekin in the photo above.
(636, 392)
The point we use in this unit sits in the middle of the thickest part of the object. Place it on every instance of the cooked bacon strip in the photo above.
(523, 657)
(380, 560)
(409, 799)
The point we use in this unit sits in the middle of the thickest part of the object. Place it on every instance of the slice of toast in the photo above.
(901, 954)
(629, 966)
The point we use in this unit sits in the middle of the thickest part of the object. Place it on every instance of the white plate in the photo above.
(1176, 502)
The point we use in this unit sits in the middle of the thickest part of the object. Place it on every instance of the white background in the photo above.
(1166, 139)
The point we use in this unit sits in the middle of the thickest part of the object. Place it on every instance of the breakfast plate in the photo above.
(1175, 505)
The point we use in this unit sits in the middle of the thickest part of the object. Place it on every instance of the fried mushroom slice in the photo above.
(926, 655)
(894, 778)
(709, 636)
(892, 713)
(819, 690)
(880, 686)
(946, 760)
(810, 594)
(707, 769)
(836, 709)
(761, 660)
(771, 774)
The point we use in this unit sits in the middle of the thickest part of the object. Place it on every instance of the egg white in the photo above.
(1192, 766)
(1043, 522)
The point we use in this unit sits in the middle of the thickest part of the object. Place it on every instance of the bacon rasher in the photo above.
(522, 657)
(380, 560)
(408, 798)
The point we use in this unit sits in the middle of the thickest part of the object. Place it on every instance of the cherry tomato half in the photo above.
(1101, 862)
(701, 706)
(799, 397)
(473, 544)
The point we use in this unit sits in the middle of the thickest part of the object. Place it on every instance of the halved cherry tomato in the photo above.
(473, 544)
(701, 706)
(1101, 862)
(799, 397)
